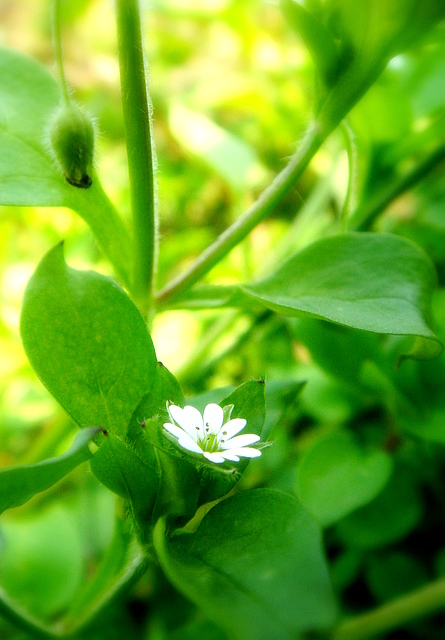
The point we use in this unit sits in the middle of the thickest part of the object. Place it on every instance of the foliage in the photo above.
(315, 320)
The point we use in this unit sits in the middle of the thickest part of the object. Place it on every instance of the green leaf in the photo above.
(202, 629)
(42, 563)
(316, 37)
(249, 403)
(212, 297)
(281, 398)
(179, 481)
(371, 33)
(120, 554)
(255, 566)
(395, 512)
(19, 484)
(390, 575)
(120, 469)
(28, 175)
(429, 426)
(165, 388)
(87, 343)
(370, 281)
(328, 342)
(383, 29)
(336, 476)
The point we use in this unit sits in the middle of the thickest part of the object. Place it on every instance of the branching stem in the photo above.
(265, 204)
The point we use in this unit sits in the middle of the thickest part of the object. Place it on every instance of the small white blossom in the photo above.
(209, 436)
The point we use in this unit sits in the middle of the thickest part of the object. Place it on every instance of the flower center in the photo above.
(209, 443)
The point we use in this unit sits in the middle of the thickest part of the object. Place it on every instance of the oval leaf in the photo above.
(335, 477)
(393, 514)
(28, 175)
(19, 484)
(371, 281)
(255, 566)
(48, 547)
(87, 342)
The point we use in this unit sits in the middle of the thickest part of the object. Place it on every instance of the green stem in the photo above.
(249, 220)
(140, 152)
(423, 601)
(351, 150)
(12, 612)
(73, 625)
(57, 47)
(133, 571)
(363, 217)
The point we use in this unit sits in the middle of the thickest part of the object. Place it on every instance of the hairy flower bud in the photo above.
(71, 135)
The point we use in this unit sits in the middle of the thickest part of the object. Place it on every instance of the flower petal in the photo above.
(229, 455)
(240, 441)
(214, 457)
(213, 418)
(231, 428)
(194, 419)
(188, 419)
(188, 443)
(174, 430)
(245, 452)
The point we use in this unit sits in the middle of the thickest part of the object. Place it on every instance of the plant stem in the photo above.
(423, 601)
(132, 572)
(12, 612)
(351, 150)
(363, 217)
(140, 152)
(265, 204)
(57, 47)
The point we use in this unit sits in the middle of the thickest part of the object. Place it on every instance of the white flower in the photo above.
(209, 436)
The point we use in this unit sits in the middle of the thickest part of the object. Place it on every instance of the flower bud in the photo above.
(71, 135)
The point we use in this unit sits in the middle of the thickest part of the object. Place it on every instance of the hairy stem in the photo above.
(399, 612)
(136, 111)
(363, 217)
(249, 220)
(57, 47)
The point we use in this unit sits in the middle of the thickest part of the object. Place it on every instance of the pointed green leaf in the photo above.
(255, 566)
(19, 484)
(370, 281)
(28, 175)
(87, 342)
(179, 481)
(120, 469)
